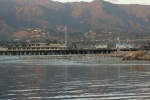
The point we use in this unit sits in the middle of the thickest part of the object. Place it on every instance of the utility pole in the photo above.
(118, 43)
(66, 38)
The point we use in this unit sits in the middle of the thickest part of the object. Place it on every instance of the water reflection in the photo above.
(18, 82)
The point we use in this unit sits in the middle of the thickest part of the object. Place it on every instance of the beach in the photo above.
(114, 58)
(107, 59)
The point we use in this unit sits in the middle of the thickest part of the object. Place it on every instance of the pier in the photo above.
(60, 52)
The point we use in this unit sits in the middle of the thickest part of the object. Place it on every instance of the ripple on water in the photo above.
(74, 82)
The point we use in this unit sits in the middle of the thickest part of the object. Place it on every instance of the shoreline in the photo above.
(109, 59)
(87, 59)
(104, 59)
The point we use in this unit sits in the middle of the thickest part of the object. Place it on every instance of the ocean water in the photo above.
(52, 79)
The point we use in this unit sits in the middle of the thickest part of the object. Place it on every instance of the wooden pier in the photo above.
(60, 52)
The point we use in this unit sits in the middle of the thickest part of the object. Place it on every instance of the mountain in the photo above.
(18, 15)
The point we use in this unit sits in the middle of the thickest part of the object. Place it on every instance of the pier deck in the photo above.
(60, 52)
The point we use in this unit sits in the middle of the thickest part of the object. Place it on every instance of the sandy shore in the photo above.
(108, 60)
(88, 59)
(104, 59)
(116, 60)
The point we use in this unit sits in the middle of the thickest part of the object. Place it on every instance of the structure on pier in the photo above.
(39, 47)
(55, 49)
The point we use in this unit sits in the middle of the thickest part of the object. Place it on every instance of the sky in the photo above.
(145, 2)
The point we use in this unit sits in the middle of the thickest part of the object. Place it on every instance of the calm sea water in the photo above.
(64, 80)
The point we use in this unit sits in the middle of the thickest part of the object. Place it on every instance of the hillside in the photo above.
(19, 15)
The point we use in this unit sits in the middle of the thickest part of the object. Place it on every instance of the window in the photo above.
(37, 44)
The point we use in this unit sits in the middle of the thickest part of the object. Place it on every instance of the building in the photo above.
(39, 46)
(114, 46)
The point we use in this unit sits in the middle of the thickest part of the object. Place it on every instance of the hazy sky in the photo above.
(114, 1)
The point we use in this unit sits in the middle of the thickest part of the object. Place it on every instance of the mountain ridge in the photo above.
(16, 15)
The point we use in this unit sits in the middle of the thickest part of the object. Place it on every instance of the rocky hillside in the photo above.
(17, 15)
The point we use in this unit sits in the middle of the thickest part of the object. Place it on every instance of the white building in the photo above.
(114, 46)
(40, 46)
